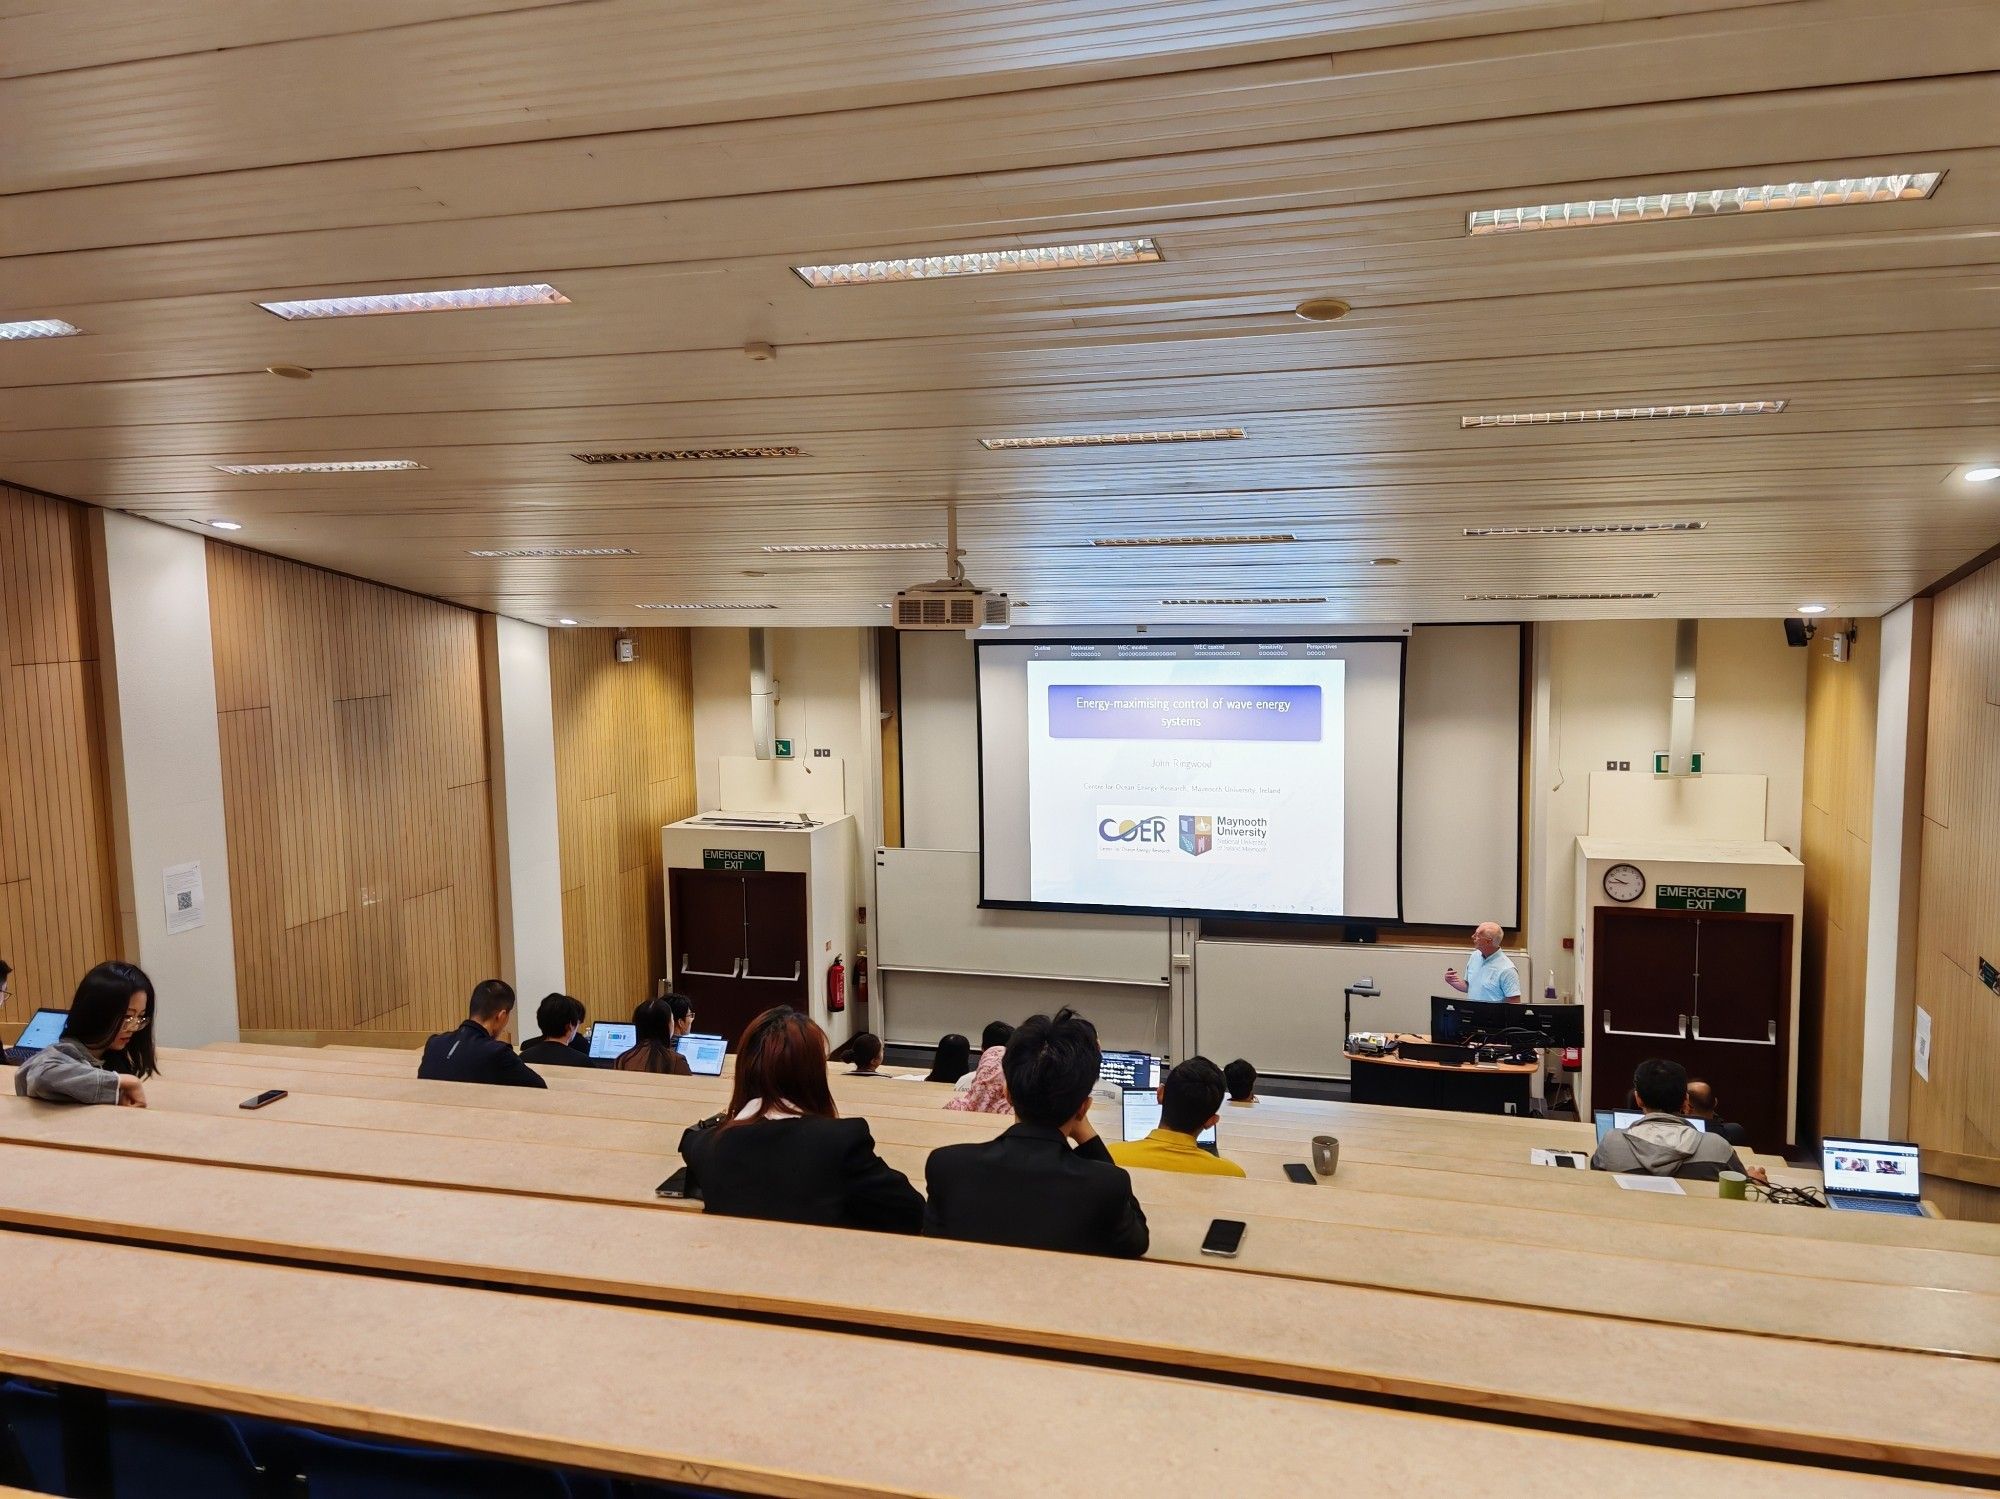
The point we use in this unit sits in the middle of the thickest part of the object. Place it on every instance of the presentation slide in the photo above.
(1222, 776)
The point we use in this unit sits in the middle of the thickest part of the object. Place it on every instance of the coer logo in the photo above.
(1133, 830)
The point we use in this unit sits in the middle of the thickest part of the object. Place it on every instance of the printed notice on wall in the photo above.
(1921, 1053)
(184, 903)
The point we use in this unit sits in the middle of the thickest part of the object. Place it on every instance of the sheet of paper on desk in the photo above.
(1664, 1184)
(1540, 1157)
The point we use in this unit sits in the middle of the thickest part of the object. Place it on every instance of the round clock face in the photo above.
(1624, 882)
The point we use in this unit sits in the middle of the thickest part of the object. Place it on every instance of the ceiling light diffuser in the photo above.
(222, 525)
(1624, 414)
(1246, 602)
(459, 300)
(555, 552)
(343, 466)
(565, 621)
(704, 606)
(1271, 538)
(853, 546)
(1812, 608)
(1112, 439)
(1770, 197)
(686, 455)
(38, 327)
(1631, 528)
(1550, 598)
(1981, 475)
(1103, 252)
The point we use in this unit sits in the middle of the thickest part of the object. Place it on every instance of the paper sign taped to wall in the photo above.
(1921, 1053)
(185, 909)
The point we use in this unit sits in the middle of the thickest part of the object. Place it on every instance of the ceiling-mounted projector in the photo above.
(951, 603)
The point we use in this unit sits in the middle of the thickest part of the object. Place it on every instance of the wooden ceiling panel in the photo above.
(665, 164)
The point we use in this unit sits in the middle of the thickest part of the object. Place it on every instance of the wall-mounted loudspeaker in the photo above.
(1798, 631)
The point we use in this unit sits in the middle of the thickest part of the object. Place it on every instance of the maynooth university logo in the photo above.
(1197, 834)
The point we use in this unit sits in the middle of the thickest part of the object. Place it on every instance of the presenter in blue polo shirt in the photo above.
(1489, 972)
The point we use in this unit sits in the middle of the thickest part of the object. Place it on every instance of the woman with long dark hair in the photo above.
(783, 1151)
(656, 1025)
(106, 1046)
(952, 1060)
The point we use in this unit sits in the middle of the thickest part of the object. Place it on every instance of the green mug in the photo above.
(1733, 1184)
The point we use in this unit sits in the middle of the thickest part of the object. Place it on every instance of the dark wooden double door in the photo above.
(1708, 990)
(739, 945)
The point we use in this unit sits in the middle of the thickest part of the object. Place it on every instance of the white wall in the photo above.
(527, 850)
(165, 753)
(1608, 689)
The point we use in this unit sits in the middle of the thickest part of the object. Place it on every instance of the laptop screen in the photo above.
(44, 1030)
(1142, 1117)
(609, 1041)
(1127, 1069)
(704, 1054)
(1610, 1119)
(1878, 1168)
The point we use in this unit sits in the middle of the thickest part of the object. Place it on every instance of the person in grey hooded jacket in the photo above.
(103, 1045)
(1663, 1143)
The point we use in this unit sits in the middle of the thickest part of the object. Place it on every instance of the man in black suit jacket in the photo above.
(1049, 1182)
(559, 1016)
(474, 1053)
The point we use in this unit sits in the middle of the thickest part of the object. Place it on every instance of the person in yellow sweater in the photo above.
(1190, 1101)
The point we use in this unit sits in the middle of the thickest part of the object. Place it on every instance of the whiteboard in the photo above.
(927, 917)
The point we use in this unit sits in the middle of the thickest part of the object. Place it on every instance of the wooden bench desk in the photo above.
(414, 1361)
(1866, 1405)
(1769, 1287)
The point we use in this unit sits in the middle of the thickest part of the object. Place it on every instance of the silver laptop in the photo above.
(1872, 1176)
(704, 1054)
(1140, 1116)
(42, 1031)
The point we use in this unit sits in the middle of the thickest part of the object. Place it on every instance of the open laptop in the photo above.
(703, 1054)
(43, 1030)
(1872, 1176)
(1127, 1069)
(1610, 1119)
(1141, 1116)
(610, 1040)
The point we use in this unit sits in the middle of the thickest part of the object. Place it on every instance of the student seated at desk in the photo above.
(106, 1046)
(985, 1091)
(1701, 1105)
(1241, 1079)
(657, 1024)
(952, 1060)
(1047, 1183)
(1664, 1143)
(1190, 1101)
(474, 1053)
(862, 1051)
(784, 1152)
(559, 1016)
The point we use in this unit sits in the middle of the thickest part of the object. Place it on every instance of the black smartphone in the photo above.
(1225, 1237)
(674, 1186)
(269, 1095)
(1298, 1171)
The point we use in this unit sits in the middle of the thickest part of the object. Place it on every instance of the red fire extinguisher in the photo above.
(836, 987)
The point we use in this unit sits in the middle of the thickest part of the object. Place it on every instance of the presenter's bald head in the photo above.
(1486, 937)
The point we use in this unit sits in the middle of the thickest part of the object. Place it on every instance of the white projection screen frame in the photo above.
(1141, 863)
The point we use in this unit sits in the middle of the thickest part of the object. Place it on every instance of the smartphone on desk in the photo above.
(1225, 1237)
(269, 1095)
(1298, 1171)
(674, 1186)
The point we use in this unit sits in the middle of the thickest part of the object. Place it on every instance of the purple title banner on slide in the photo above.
(1199, 711)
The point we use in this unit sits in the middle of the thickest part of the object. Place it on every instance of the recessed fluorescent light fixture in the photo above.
(536, 294)
(221, 525)
(1981, 475)
(1270, 538)
(1633, 528)
(1113, 439)
(1245, 602)
(854, 546)
(556, 552)
(343, 466)
(1812, 608)
(1770, 197)
(1550, 598)
(1141, 251)
(565, 621)
(686, 455)
(704, 606)
(38, 327)
(1624, 414)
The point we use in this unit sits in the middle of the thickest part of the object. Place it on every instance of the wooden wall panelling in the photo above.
(58, 902)
(624, 740)
(1839, 804)
(1958, 1109)
(354, 790)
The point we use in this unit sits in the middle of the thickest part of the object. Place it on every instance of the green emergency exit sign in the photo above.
(735, 860)
(1700, 897)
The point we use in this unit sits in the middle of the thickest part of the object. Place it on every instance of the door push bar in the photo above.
(1679, 1033)
(798, 968)
(735, 970)
(1770, 1036)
